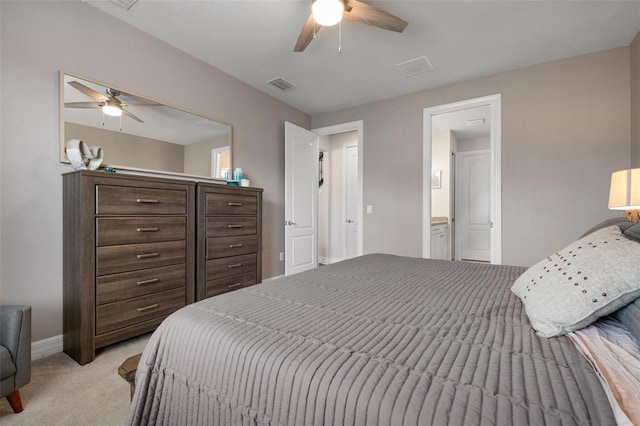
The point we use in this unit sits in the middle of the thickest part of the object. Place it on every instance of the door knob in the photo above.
(288, 222)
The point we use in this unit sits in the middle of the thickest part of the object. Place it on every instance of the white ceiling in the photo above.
(253, 41)
(470, 123)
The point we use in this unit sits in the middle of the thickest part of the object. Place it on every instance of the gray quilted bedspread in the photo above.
(376, 340)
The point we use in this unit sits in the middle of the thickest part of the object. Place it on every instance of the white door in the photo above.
(473, 206)
(351, 200)
(301, 199)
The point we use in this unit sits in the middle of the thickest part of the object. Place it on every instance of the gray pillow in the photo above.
(590, 278)
(622, 222)
(630, 317)
(632, 232)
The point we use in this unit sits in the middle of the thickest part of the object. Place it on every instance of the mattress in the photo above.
(375, 340)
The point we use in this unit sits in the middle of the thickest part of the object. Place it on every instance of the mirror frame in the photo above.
(62, 142)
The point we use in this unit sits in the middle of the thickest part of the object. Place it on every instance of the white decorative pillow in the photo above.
(592, 277)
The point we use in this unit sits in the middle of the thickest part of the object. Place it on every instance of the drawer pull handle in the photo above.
(146, 282)
(235, 265)
(146, 201)
(235, 245)
(148, 229)
(234, 226)
(148, 308)
(147, 255)
(234, 204)
(234, 285)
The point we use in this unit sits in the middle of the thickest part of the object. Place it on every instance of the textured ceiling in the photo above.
(253, 41)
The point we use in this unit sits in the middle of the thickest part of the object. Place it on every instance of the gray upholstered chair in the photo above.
(15, 352)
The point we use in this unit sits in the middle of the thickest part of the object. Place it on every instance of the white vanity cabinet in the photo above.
(439, 241)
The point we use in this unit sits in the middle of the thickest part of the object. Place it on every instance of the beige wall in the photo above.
(197, 156)
(121, 149)
(635, 101)
(40, 38)
(441, 161)
(565, 128)
(476, 144)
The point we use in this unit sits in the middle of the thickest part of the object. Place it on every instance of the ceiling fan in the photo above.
(330, 12)
(109, 103)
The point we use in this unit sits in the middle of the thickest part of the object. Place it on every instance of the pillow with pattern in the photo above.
(592, 277)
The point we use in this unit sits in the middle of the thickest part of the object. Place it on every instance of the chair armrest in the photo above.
(15, 335)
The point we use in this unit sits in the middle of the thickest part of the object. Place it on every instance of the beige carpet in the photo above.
(62, 392)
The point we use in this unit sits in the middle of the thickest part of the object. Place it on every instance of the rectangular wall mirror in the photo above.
(137, 133)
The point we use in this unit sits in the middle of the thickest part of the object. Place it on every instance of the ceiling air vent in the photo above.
(281, 84)
(125, 4)
(415, 66)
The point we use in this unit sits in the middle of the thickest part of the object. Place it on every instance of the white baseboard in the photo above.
(273, 278)
(329, 260)
(45, 347)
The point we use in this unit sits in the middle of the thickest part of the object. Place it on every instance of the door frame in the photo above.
(215, 159)
(494, 102)
(357, 126)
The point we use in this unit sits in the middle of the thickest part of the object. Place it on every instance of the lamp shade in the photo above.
(625, 190)
(327, 12)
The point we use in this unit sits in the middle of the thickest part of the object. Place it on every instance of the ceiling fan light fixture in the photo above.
(111, 110)
(327, 12)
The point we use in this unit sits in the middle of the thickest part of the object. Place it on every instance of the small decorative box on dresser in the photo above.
(129, 256)
(229, 238)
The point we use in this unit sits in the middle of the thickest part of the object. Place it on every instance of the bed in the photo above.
(375, 340)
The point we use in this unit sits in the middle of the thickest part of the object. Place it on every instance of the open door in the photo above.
(301, 199)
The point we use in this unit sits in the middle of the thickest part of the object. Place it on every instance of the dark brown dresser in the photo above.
(229, 238)
(129, 256)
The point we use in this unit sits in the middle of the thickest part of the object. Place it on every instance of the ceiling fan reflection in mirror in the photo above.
(331, 12)
(108, 102)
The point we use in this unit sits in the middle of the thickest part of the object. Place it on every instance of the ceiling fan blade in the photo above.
(82, 105)
(306, 35)
(124, 111)
(88, 91)
(126, 104)
(371, 15)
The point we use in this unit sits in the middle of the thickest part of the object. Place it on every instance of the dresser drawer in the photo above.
(224, 226)
(132, 230)
(231, 246)
(124, 200)
(231, 204)
(223, 285)
(131, 311)
(220, 268)
(114, 287)
(133, 257)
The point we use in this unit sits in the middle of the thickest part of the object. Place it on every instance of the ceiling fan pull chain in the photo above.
(340, 37)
